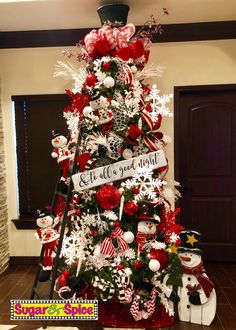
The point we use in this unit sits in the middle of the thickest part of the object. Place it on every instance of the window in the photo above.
(35, 118)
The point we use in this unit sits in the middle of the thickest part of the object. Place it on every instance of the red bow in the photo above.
(134, 51)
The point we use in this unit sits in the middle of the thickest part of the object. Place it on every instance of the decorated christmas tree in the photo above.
(121, 233)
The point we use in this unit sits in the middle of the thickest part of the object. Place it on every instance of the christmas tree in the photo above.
(121, 233)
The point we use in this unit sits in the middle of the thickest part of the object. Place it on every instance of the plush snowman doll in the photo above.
(197, 295)
(146, 229)
(48, 237)
(61, 152)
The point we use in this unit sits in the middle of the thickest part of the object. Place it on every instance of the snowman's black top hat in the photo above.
(55, 133)
(189, 241)
(116, 12)
(145, 211)
(44, 212)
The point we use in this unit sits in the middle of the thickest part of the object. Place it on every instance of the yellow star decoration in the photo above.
(191, 239)
(173, 249)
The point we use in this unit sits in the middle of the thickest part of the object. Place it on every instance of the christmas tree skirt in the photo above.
(116, 315)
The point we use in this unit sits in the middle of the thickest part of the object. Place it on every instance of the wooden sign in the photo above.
(118, 171)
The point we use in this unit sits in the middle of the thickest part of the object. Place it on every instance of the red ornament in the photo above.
(66, 273)
(106, 65)
(117, 223)
(137, 264)
(148, 107)
(146, 89)
(91, 80)
(136, 191)
(94, 232)
(161, 255)
(131, 208)
(108, 197)
(62, 280)
(120, 267)
(78, 212)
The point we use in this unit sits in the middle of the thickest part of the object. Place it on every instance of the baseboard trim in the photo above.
(21, 260)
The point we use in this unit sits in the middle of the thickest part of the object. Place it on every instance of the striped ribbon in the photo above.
(152, 137)
(129, 78)
(149, 306)
(108, 288)
(107, 247)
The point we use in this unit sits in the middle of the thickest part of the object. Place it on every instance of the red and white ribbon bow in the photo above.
(107, 247)
(153, 136)
(115, 37)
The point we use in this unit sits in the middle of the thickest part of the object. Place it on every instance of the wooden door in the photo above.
(205, 165)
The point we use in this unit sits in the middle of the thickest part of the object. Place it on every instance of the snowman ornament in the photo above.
(197, 295)
(61, 152)
(146, 230)
(48, 236)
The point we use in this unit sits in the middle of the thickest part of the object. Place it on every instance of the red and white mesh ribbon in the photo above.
(116, 37)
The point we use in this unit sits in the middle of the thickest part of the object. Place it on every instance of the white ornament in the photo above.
(87, 111)
(108, 82)
(95, 118)
(133, 69)
(154, 265)
(128, 271)
(97, 251)
(128, 236)
(127, 154)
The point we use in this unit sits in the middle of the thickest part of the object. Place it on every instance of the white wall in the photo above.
(30, 71)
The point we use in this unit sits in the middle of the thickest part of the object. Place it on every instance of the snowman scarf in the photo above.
(206, 284)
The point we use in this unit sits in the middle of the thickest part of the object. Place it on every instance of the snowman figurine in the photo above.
(197, 295)
(48, 237)
(147, 228)
(61, 152)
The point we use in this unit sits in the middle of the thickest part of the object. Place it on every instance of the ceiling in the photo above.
(16, 15)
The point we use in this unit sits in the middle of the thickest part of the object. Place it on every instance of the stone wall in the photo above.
(4, 240)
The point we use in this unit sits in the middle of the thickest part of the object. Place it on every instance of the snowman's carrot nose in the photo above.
(185, 258)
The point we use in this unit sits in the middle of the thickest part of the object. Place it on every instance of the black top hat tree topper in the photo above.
(116, 12)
